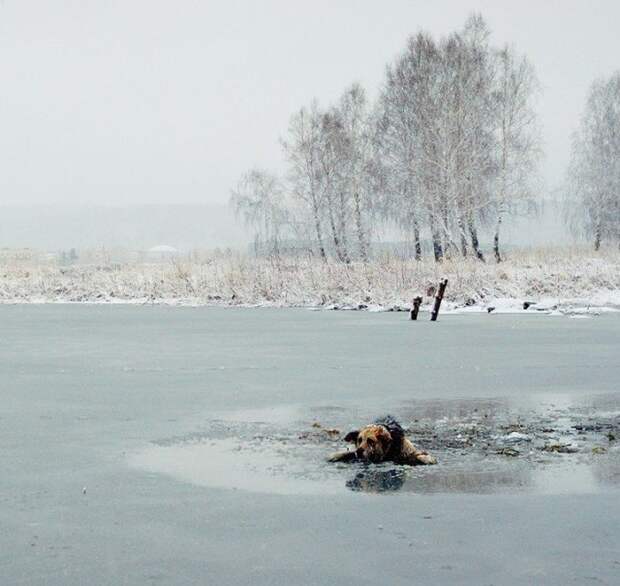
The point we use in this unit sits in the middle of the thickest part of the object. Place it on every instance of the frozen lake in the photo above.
(159, 445)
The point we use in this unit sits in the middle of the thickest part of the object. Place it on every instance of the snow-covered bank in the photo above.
(575, 282)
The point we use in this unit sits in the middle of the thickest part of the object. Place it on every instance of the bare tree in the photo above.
(357, 169)
(407, 129)
(518, 144)
(303, 152)
(476, 142)
(330, 162)
(259, 200)
(449, 146)
(332, 159)
(436, 136)
(458, 135)
(594, 174)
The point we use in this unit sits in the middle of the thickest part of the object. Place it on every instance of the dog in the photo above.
(382, 441)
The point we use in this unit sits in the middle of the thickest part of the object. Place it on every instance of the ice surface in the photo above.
(86, 388)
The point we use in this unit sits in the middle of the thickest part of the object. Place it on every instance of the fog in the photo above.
(160, 102)
(201, 226)
(110, 103)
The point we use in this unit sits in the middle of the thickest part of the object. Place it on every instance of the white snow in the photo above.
(563, 282)
(515, 437)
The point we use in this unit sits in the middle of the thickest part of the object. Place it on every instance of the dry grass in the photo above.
(388, 281)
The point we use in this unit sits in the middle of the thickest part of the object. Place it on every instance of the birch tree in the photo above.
(259, 200)
(357, 164)
(332, 160)
(594, 174)
(449, 146)
(436, 136)
(475, 144)
(331, 167)
(518, 144)
(303, 153)
(406, 137)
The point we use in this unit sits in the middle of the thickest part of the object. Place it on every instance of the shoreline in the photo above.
(576, 307)
(563, 281)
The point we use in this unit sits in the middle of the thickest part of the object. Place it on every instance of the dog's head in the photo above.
(372, 442)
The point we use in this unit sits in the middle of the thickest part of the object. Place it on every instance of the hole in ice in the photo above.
(488, 446)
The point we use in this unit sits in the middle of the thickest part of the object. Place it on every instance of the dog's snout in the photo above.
(359, 452)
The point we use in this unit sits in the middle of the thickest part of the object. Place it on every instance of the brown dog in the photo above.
(382, 441)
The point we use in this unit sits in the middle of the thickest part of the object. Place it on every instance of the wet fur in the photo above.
(382, 441)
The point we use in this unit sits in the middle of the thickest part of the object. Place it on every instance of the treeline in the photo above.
(449, 146)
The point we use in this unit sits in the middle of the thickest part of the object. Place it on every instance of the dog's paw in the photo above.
(426, 459)
(342, 457)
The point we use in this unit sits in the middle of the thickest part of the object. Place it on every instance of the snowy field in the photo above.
(158, 445)
(557, 281)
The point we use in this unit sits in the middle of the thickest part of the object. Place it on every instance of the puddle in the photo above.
(228, 464)
(483, 447)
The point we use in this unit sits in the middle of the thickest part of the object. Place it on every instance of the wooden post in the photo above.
(442, 288)
(413, 314)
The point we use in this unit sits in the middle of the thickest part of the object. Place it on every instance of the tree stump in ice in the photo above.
(438, 298)
(415, 308)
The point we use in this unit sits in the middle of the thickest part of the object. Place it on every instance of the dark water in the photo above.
(186, 446)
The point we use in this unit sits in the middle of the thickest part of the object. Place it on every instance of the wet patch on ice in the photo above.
(231, 464)
(247, 454)
(559, 446)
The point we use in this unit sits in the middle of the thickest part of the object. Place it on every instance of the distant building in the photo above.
(161, 252)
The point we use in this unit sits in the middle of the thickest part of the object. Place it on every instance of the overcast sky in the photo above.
(128, 101)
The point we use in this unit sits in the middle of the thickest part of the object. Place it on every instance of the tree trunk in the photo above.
(475, 244)
(342, 226)
(437, 246)
(415, 308)
(597, 237)
(498, 257)
(319, 234)
(416, 238)
(438, 298)
(337, 245)
(461, 227)
(447, 237)
(360, 229)
(463, 245)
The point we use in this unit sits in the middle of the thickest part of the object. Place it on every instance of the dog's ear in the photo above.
(352, 436)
